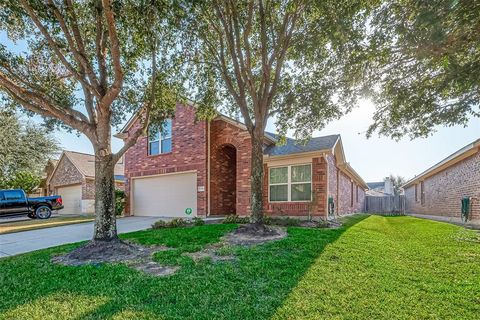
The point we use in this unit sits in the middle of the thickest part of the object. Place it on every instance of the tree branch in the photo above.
(116, 86)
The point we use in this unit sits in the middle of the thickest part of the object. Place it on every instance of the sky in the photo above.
(373, 158)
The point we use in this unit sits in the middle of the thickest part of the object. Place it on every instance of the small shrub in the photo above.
(159, 224)
(177, 222)
(284, 222)
(236, 219)
(198, 221)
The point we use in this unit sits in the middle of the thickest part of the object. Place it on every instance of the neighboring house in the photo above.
(200, 168)
(439, 190)
(380, 189)
(73, 178)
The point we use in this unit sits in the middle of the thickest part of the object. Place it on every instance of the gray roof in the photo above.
(293, 146)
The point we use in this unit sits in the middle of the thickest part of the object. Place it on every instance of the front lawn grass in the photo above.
(372, 268)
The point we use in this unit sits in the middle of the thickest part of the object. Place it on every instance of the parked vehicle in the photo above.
(15, 202)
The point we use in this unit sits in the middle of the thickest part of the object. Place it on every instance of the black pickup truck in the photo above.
(15, 202)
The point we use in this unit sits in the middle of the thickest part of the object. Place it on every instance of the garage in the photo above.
(72, 199)
(169, 195)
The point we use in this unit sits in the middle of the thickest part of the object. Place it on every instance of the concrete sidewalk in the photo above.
(20, 242)
(473, 224)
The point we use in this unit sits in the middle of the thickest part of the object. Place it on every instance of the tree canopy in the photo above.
(423, 65)
(24, 146)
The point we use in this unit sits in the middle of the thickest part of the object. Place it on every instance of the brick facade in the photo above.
(341, 188)
(444, 190)
(315, 208)
(189, 152)
(225, 148)
(224, 134)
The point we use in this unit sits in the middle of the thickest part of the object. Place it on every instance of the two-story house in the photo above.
(193, 168)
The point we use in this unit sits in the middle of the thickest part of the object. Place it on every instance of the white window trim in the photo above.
(289, 183)
(160, 139)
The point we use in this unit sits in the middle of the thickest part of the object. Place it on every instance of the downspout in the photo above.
(328, 185)
(208, 168)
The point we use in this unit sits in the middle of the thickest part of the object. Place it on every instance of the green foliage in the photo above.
(233, 218)
(174, 223)
(119, 202)
(422, 63)
(312, 274)
(26, 181)
(285, 222)
(198, 221)
(24, 147)
(159, 224)
(314, 83)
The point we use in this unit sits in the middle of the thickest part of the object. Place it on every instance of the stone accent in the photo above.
(444, 190)
(189, 152)
(65, 174)
(226, 134)
(315, 208)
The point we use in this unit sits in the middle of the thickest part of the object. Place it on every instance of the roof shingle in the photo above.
(293, 146)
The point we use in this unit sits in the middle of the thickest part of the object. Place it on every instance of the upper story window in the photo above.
(290, 183)
(160, 138)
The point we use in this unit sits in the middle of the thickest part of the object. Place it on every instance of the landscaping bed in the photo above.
(371, 267)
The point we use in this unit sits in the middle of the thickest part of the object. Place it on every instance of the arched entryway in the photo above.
(224, 180)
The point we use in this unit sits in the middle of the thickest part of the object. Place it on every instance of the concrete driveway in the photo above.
(16, 243)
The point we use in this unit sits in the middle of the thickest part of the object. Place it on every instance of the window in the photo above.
(422, 193)
(292, 183)
(416, 192)
(356, 190)
(351, 194)
(160, 141)
(13, 195)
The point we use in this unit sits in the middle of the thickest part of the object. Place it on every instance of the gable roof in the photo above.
(449, 161)
(293, 146)
(85, 164)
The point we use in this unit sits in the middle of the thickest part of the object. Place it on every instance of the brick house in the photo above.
(438, 190)
(73, 178)
(199, 168)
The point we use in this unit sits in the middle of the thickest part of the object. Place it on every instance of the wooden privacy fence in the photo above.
(385, 204)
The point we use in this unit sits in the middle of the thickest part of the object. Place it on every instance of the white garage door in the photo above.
(170, 195)
(72, 199)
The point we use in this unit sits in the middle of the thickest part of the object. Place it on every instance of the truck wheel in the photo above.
(43, 212)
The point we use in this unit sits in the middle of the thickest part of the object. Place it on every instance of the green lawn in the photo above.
(372, 268)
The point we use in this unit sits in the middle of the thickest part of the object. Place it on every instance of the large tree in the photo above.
(423, 65)
(280, 59)
(86, 66)
(25, 149)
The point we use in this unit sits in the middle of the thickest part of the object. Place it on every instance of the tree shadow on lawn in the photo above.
(252, 287)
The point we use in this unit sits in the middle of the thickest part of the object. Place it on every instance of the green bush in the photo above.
(26, 181)
(159, 224)
(119, 202)
(198, 221)
(236, 219)
(284, 222)
(177, 222)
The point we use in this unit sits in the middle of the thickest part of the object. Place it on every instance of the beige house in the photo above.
(73, 178)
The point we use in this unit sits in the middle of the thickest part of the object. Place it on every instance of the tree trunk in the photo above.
(256, 177)
(105, 220)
